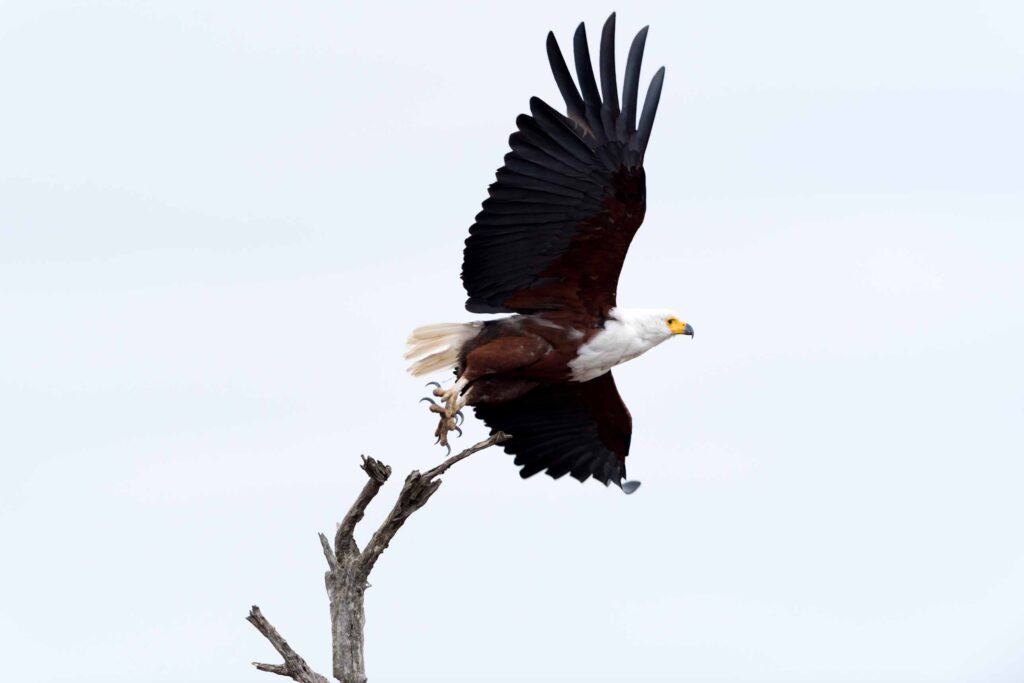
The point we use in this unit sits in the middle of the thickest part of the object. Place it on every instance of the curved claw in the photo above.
(438, 441)
(428, 399)
(449, 447)
(456, 429)
(459, 419)
(433, 384)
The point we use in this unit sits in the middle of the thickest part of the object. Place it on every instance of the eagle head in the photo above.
(653, 325)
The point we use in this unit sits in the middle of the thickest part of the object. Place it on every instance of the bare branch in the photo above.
(416, 491)
(332, 561)
(500, 437)
(344, 539)
(294, 666)
(279, 669)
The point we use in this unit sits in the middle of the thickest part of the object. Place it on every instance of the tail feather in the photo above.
(437, 347)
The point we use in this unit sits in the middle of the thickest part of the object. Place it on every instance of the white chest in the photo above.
(614, 344)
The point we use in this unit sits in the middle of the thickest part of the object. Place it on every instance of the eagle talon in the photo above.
(447, 405)
(433, 384)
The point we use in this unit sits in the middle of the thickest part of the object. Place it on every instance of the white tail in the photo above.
(436, 347)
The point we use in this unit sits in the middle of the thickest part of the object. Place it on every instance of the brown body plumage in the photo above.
(513, 355)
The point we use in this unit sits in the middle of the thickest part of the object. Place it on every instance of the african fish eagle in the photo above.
(548, 247)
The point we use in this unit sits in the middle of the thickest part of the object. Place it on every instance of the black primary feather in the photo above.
(563, 79)
(631, 85)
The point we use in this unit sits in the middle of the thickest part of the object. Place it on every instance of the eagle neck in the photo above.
(626, 334)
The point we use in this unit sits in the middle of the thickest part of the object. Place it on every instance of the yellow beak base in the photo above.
(679, 327)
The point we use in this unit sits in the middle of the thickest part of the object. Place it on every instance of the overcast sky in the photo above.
(218, 222)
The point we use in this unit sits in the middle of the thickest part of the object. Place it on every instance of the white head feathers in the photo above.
(627, 333)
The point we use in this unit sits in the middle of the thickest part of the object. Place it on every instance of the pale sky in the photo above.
(218, 222)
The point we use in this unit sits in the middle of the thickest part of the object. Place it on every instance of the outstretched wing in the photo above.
(577, 428)
(559, 219)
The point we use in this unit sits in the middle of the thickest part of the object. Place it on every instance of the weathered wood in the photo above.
(345, 590)
(294, 666)
(378, 474)
(348, 569)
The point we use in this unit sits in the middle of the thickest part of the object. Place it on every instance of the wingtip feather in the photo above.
(631, 84)
(563, 79)
(585, 71)
(609, 81)
(650, 109)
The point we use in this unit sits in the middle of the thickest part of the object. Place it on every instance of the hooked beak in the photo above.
(679, 327)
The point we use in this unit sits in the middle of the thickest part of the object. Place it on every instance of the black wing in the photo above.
(577, 428)
(560, 217)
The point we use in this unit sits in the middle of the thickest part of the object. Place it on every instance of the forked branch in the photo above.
(294, 666)
(416, 491)
(349, 568)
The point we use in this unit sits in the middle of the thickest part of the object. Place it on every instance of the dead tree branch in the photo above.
(348, 569)
(294, 666)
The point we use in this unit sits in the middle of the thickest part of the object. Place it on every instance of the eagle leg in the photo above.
(449, 410)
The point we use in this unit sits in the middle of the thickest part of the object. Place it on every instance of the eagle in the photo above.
(548, 247)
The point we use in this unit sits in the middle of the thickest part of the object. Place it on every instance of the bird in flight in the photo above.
(548, 247)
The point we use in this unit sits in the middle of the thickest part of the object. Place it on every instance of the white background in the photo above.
(218, 222)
